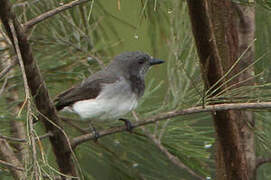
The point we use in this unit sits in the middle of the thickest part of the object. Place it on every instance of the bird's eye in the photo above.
(141, 61)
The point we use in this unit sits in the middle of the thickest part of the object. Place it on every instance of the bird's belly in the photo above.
(105, 108)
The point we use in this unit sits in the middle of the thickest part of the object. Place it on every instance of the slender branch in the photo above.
(9, 165)
(174, 159)
(3, 86)
(75, 126)
(210, 108)
(7, 154)
(261, 160)
(7, 69)
(49, 134)
(50, 13)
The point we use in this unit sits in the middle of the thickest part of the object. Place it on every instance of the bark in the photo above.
(40, 94)
(246, 34)
(222, 34)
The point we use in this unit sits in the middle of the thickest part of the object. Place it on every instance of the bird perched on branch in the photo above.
(112, 92)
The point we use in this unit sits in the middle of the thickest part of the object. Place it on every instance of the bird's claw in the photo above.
(128, 124)
(94, 131)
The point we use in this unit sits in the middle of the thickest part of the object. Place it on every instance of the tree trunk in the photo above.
(223, 31)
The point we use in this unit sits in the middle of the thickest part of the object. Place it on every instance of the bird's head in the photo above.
(135, 63)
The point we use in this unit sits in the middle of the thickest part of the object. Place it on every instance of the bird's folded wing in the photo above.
(84, 91)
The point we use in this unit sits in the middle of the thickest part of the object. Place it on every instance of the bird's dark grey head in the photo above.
(135, 63)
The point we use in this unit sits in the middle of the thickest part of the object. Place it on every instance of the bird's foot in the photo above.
(94, 131)
(128, 124)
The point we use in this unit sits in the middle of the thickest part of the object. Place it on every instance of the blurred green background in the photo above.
(76, 43)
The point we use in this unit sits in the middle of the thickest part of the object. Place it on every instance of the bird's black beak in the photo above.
(156, 61)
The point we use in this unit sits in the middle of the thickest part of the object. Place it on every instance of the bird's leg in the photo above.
(96, 134)
(128, 124)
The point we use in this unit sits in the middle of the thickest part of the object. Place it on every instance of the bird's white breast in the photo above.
(115, 100)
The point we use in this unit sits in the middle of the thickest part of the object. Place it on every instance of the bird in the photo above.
(112, 92)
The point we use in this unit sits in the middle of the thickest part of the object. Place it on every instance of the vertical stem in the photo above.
(27, 100)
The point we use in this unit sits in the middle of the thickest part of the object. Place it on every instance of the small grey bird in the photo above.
(112, 92)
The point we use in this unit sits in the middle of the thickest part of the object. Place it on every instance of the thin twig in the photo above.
(7, 154)
(75, 126)
(4, 86)
(174, 159)
(210, 108)
(9, 165)
(162, 131)
(50, 13)
(7, 69)
(49, 134)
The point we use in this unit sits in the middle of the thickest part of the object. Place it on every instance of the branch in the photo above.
(49, 134)
(29, 24)
(8, 68)
(9, 165)
(261, 160)
(8, 155)
(174, 159)
(75, 126)
(3, 86)
(39, 92)
(210, 108)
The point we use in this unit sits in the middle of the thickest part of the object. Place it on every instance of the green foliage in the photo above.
(76, 43)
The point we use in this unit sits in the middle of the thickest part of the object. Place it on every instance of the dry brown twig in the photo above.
(175, 160)
(9, 165)
(50, 13)
(49, 134)
(2, 89)
(7, 69)
(7, 154)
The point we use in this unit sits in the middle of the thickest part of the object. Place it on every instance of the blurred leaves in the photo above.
(76, 43)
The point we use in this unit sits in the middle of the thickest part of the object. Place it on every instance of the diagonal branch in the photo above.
(174, 159)
(9, 165)
(8, 155)
(8, 68)
(39, 93)
(210, 108)
(261, 160)
(29, 24)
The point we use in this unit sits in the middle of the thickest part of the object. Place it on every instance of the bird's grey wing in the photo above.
(83, 91)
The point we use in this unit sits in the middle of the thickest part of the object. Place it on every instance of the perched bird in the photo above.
(112, 92)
